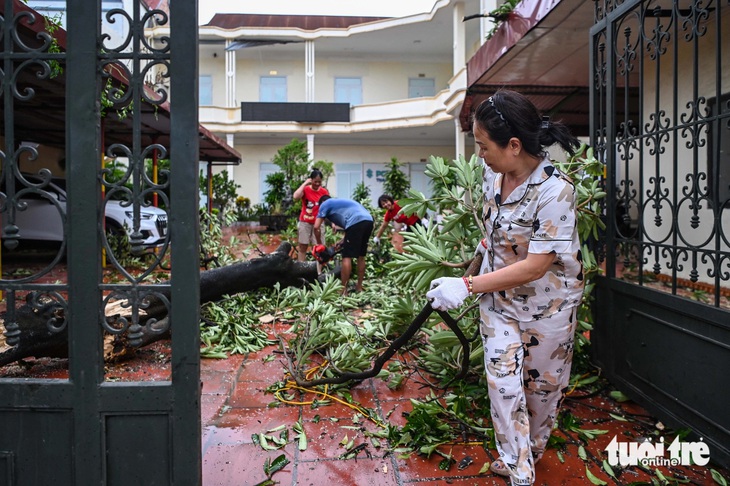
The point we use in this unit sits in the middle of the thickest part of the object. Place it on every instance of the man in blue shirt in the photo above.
(358, 225)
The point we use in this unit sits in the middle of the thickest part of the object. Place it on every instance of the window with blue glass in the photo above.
(273, 89)
(420, 87)
(348, 90)
(205, 90)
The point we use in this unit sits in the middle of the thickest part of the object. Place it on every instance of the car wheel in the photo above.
(113, 229)
(116, 237)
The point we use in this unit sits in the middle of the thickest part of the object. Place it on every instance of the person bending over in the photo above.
(358, 225)
(393, 213)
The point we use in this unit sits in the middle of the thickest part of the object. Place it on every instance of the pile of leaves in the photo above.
(330, 334)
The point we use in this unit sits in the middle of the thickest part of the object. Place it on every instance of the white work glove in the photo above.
(376, 240)
(447, 293)
(481, 248)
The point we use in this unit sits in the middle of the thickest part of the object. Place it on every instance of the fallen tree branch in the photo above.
(36, 339)
(413, 328)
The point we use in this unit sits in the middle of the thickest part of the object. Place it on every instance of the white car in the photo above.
(41, 219)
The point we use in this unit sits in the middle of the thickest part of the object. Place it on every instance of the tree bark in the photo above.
(36, 340)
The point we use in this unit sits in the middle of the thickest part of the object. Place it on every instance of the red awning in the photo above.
(542, 51)
(232, 21)
(42, 117)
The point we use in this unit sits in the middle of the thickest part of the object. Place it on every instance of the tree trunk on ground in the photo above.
(36, 340)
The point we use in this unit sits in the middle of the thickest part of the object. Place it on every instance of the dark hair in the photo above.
(383, 198)
(324, 198)
(316, 173)
(508, 114)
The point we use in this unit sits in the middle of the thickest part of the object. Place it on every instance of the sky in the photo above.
(367, 8)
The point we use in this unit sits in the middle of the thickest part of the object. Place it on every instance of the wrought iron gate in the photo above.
(661, 122)
(89, 110)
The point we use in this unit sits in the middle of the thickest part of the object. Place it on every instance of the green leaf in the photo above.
(609, 470)
(590, 434)
(582, 453)
(593, 479)
(619, 396)
(276, 465)
(264, 443)
(299, 429)
(718, 478)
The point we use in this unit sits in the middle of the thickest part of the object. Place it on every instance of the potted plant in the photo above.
(277, 217)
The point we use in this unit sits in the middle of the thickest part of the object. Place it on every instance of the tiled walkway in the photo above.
(236, 406)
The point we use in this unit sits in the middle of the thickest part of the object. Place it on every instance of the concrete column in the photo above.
(459, 43)
(459, 139)
(309, 71)
(230, 77)
(310, 145)
(485, 23)
(229, 141)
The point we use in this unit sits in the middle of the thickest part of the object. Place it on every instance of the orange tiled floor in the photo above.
(235, 406)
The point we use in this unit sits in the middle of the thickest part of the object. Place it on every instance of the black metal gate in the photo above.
(661, 122)
(83, 109)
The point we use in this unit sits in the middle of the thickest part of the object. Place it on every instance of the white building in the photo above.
(403, 81)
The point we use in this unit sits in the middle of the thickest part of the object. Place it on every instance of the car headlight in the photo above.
(142, 215)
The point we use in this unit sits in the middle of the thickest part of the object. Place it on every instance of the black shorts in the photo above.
(411, 227)
(356, 239)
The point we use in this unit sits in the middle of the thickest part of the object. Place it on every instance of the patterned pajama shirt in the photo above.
(527, 331)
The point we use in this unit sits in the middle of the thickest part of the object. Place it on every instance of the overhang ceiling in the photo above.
(347, 39)
(342, 37)
(542, 51)
(42, 117)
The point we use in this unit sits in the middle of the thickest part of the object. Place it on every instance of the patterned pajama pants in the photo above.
(528, 369)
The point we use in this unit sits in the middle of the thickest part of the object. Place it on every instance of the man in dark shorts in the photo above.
(358, 225)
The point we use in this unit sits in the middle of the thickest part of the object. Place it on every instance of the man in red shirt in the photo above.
(309, 192)
(393, 213)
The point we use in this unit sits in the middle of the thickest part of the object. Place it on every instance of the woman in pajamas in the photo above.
(531, 280)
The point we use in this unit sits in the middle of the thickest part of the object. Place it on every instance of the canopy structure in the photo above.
(41, 118)
(542, 51)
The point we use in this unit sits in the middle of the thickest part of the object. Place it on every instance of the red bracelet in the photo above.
(469, 284)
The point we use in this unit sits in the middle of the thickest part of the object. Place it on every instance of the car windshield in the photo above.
(56, 187)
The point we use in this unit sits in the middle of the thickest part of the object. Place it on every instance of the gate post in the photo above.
(186, 236)
(83, 151)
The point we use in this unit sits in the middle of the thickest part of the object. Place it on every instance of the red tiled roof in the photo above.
(163, 5)
(304, 22)
(43, 116)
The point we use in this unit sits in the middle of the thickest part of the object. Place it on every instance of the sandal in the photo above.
(499, 468)
(536, 456)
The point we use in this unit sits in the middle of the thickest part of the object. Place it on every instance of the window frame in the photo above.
(415, 91)
(344, 93)
(272, 93)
